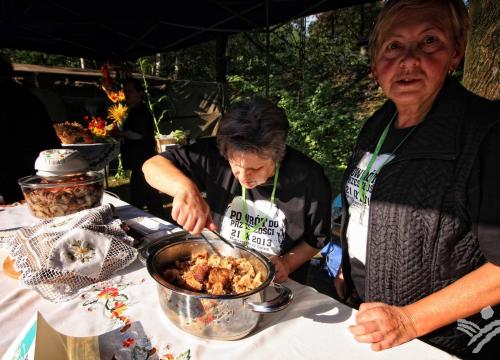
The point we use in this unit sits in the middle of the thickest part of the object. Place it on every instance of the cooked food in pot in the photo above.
(214, 274)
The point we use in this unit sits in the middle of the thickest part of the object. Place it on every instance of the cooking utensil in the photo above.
(230, 243)
(222, 317)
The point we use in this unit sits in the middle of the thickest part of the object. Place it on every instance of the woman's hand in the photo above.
(282, 269)
(383, 325)
(191, 211)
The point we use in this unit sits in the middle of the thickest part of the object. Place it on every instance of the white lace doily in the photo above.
(60, 256)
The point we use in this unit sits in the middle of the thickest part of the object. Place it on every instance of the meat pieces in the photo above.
(214, 274)
(219, 280)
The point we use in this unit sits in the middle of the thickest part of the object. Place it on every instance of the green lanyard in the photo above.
(247, 232)
(363, 184)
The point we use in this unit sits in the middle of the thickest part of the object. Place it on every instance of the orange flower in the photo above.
(119, 309)
(102, 130)
(114, 95)
(108, 293)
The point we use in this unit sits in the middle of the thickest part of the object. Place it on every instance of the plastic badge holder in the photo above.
(60, 162)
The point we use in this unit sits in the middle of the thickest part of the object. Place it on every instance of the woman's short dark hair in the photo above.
(256, 126)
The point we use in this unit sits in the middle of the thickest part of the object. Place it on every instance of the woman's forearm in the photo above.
(299, 255)
(465, 297)
(163, 175)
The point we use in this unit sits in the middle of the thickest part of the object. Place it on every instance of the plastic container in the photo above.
(49, 197)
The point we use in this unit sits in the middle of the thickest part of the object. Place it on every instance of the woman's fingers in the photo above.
(281, 269)
(385, 343)
(364, 328)
(199, 225)
(209, 224)
(370, 305)
(277, 266)
(190, 211)
(190, 223)
(375, 337)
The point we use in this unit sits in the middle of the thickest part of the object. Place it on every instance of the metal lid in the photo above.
(60, 162)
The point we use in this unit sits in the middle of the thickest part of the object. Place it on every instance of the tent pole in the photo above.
(267, 49)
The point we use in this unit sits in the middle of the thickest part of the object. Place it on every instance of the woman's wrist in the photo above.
(285, 260)
(409, 322)
(184, 187)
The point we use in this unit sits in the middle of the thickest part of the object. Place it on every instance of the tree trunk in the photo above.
(302, 56)
(482, 57)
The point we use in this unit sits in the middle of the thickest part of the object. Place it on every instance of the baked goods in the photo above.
(73, 133)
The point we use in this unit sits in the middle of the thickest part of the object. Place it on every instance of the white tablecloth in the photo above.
(314, 326)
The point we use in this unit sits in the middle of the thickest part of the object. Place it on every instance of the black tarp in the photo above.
(124, 30)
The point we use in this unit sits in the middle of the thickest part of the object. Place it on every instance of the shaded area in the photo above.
(70, 94)
(103, 30)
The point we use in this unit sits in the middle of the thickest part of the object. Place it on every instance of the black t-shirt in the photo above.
(302, 201)
(488, 226)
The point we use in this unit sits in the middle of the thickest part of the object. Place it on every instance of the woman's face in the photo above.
(251, 169)
(415, 55)
(132, 96)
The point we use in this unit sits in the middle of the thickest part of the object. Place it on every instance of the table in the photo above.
(313, 326)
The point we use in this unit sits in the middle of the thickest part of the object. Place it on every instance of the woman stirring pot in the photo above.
(260, 192)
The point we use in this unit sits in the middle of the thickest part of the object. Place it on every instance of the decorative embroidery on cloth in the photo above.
(59, 257)
(112, 298)
(135, 345)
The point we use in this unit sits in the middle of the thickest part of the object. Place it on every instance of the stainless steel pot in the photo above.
(221, 317)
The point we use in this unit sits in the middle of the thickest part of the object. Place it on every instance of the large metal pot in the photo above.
(221, 317)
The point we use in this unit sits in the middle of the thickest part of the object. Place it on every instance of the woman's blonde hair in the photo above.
(456, 11)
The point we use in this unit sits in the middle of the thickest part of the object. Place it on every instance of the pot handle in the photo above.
(280, 302)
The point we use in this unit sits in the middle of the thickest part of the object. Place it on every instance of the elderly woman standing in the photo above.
(259, 191)
(421, 228)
